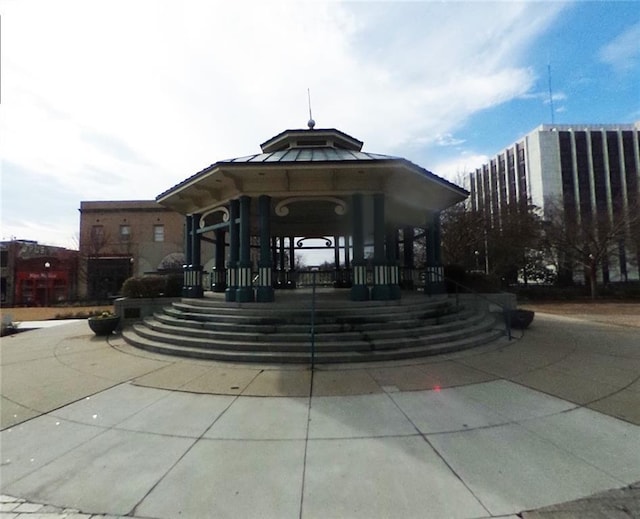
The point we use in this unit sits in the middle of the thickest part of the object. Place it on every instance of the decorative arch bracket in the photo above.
(220, 209)
(282, 208)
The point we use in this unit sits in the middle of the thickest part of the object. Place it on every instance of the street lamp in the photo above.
(47, 266)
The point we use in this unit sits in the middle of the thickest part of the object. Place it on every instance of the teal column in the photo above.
(232, 264)
(244, 293)
(434, 279)
(282, 282)
(380, 290)
(218, 274)
(359, 289)
(291, 273)
(264, 292)
(192, 284)
(188, 251)
(408, 236)
(392, 263)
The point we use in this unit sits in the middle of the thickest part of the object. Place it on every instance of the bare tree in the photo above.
(592, 240)
(505, 244)
(463, 232)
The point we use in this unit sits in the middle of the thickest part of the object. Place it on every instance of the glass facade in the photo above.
(591, 171)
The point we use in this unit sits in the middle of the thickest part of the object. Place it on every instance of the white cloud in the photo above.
(623, 53)
(446, 139)
(121, 99)
(456, 169)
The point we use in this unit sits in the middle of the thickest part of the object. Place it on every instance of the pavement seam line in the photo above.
(426, 440)
(306, 443)
(133, 510)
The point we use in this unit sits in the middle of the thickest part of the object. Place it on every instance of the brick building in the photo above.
(37, 275)
(119, 239)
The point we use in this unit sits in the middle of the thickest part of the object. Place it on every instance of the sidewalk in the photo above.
(490, 432)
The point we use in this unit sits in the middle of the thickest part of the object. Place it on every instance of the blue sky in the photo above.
(123, 99)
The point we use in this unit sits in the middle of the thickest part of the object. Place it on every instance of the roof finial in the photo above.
(311, 123)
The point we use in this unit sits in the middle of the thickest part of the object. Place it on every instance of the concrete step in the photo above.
(270, 357)
(345, 331)
(274, 316)
(175, 318)
(354, 341)
(297, 333)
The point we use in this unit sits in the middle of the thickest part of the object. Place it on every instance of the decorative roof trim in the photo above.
(296, 139)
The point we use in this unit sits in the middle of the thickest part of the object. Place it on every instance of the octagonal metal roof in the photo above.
(294, 158)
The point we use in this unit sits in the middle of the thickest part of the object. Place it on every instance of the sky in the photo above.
(122, 99)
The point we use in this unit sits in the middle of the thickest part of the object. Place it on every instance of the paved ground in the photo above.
(511, 429)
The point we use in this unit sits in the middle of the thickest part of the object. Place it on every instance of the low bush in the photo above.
(457, 278)
(153, 285)
(173, 285)
(613, 291)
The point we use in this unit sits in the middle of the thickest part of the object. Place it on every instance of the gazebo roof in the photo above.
(323, 161)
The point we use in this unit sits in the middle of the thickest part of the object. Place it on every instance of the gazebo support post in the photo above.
(192, 284)
(380, 290)
(218, 274)
(347, 262)
(408, 234)
(434, 278)
(291, 273)
(359, 289)
(244, 293)
(264, 292)
(281, 271)
(392, 263)
(337, 281)
(232, 264)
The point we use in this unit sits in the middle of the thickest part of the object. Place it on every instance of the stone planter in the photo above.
(520, 319)
(103, 325)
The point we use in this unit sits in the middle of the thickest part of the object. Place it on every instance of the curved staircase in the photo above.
(345, 331)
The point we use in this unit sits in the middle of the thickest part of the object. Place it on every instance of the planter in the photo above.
(520, 319)
(103, 325)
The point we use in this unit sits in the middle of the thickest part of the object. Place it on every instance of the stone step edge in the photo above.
(327, 357)
(361, 344)
(284, 333)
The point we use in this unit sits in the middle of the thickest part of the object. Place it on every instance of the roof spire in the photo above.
(311, 123)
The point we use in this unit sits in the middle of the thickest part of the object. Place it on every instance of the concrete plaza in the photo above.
(92, 426)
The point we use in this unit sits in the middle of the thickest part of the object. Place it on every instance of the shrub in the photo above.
(132, 287)
(153, 285)
(173, 285)
(455, 275)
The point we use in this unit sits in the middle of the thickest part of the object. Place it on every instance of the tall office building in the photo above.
(589, 170)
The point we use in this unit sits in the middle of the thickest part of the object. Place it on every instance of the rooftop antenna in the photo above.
(311, 123)
(550, 94)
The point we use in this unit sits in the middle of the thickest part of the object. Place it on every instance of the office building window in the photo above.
(566, 170)
(614, 167)
(158, 233)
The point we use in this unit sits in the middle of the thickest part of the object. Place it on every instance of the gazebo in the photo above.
(310, 183)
